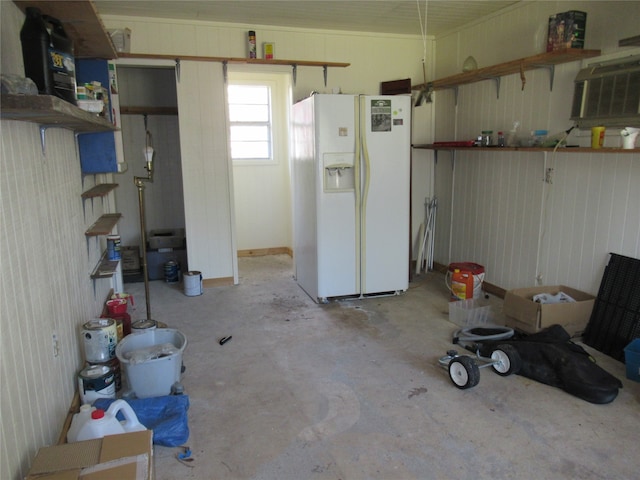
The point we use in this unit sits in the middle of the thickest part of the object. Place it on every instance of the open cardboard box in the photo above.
(528, 316)
(128, 456)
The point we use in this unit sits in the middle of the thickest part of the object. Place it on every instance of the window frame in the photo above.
(271, 160)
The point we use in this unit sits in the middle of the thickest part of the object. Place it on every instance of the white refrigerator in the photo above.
(351, 177)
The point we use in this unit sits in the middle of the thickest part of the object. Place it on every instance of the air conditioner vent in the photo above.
(608, 94)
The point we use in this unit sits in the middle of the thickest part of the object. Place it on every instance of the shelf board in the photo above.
(430, 146)
(254, 61)
(106, 268)
(103, 225)
(81, 23)
(629, 42)
(148, 110)
(50, 111)
(99, 190)
(542, 60)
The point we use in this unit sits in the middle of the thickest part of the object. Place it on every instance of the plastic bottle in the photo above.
(78, 420)
(48, 57)
(487, 139)
(35, 47)
(461, 285)
(538, 137)
(512, 138)
(501, 139)
(104, 423)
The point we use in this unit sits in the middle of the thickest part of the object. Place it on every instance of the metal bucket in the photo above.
(96, 381)
(171, 272)
(192, 283)
(100, 337)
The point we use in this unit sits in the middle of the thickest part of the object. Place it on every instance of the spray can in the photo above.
(252, 44)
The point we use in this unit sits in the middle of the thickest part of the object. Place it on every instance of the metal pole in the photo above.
(143, 235)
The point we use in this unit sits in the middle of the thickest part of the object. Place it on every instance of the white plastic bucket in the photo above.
(192, 283)
(152, 360)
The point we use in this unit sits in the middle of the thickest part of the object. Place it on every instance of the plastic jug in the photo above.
(78, 420)
(103, 423)
(461, 285)
(47, 53)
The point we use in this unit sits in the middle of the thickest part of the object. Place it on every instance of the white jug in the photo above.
(629, 135)
(103, 423)
(78, 420)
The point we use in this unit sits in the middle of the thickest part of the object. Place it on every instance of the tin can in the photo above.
(100, 337)
(96, 381)
(114, 366)
(171, 272)
(143, 325)
(113, 247)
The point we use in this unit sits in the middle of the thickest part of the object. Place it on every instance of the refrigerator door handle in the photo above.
(366, 180)
(358, 189)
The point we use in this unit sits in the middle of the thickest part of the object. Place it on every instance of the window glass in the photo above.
(250, 122)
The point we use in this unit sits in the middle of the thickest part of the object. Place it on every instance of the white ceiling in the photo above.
(385, 16)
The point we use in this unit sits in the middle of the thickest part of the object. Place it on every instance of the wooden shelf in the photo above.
(103, 225)
(81, 23)
(238, 60)
(529, 149)
(630, 42)
(255, 61)
(106, 268)
(99, 190)
(49, 111)
(148, 110)
(543, 60)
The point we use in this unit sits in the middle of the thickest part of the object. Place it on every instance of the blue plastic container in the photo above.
(632, 360)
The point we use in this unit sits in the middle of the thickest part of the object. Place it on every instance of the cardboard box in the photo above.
(167, 238)
(128, 456)
(566, 30)
(528, 316)
(130, 258)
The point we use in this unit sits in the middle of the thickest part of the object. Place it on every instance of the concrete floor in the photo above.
(353, 390)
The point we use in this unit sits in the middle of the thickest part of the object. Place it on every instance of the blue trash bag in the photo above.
(166, 416)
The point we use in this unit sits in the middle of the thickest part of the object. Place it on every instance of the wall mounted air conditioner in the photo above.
(608, 94)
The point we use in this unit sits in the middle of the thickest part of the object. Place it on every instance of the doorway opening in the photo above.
(149, 112)
(259, 105)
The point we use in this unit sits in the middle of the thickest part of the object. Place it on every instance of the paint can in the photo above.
(140, 326)
(171, 270)
(113, 247)
(192, 283)
(100, 337)
(96, 381)
(114, 365)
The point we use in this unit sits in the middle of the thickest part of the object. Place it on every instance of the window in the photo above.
(250, 122)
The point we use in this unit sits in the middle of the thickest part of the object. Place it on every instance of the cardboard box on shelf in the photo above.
(566, 30)
(128, 456)
(528, 316)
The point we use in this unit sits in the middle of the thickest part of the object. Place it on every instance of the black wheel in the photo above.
(508, 359)
(464, 372)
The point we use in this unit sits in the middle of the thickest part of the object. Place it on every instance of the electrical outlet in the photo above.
(56, 345)
(548, 176)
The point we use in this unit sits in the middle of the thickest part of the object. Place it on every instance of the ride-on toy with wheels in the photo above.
(464, 370)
